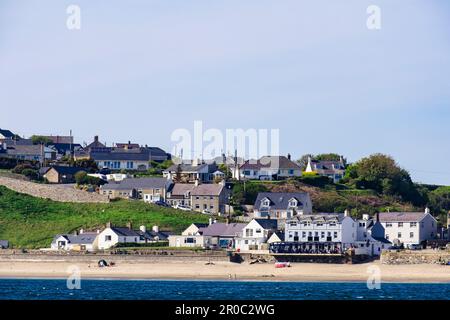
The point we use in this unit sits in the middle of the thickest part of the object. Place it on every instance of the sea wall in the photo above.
(415, 257)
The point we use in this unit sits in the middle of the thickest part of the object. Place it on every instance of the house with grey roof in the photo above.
(191, 172)
(268, 168)
(255, 234)
(82, 241)
(408, 228)
(282, 205)
(334, 170)
(29, 152)
(148, 189)
(60, 174)
(6, 135)
(210, 198)
(112, 236)
(180, 195)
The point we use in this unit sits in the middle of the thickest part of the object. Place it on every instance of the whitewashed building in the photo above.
(282, 205)
(83, 241)
(408, 227)
(255, 235)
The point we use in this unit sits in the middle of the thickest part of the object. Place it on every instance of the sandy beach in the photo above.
(197, 270)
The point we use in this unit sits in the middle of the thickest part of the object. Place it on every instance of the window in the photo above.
(249, 232)
(291, 171)
(293, 223)
(335, 234)
(197, 206)
(107, 238)
(319, 224)
(322, 234)
(130, 164)
(304, 234)
(411, 234)
(205, 206)
(259, 231)
(388, 224)
(400, 224)
(399, 235)
(362, 224)
(387, 237)
(413, 224)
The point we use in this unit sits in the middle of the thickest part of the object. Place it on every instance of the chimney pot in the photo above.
(143, 229)
(155, 229)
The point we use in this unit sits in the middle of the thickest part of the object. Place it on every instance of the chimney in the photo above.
(196, 182)
(81, 231)
(346, 213)
(427, 210)
(365, 217)
(129, 225)
(96, 139)
(155, 229)
(289, 156)
(143, 229)
(98, 231)
(227, 221)
(210, 221)
(378, 216)
(109, 224)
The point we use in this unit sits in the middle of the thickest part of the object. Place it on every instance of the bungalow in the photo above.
(254, 236)
(269, 168)
(335, 170)
(113, 236)
(222, 235)
(84, 241)
(408, 227)
(190, 173)
(148, 189)
(282, 205)
(61, 174)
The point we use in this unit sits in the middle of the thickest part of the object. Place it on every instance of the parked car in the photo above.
(181, 207)
(206, 211)
(414, 246)
(161, 203)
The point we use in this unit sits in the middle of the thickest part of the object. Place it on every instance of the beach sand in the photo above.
(196, 270)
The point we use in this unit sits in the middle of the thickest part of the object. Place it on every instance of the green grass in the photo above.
(29, 222)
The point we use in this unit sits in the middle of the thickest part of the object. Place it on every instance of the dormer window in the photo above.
(293, 202)
(265, 202)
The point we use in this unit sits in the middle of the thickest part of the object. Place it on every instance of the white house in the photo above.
(282, 205)
(408, 227)
(84, 241)
(191, 237)
(112, 236)
(255, 234)
(334, 170)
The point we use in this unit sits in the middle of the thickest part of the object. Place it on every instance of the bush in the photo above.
(82, 178)
(32, 174)
(315, 180)
(21, 167)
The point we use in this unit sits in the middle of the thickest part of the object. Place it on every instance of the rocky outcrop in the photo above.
(61, 193)
(416, 257)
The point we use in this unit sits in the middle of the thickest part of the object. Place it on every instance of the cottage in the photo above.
(191, 237)
(408, 228)
(255, 235)
(180, 195)
(222, 235)
(334, 170)
(112, 236)
(61, 174)
(148, 189)
(84, 241)
(269, 168)
(282, 205)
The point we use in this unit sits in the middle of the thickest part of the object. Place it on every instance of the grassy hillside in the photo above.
(29, 222)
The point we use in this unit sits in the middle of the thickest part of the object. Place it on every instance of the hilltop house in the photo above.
(61, 174)
(84, 241)
(255, 234)
(282, 205)
(112, 236)
(190, 173)
(408, 227)
(334, 170)
(148, 189)
(268, 168)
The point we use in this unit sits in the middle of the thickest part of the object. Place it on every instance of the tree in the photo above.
(41, 140)
(81, 177)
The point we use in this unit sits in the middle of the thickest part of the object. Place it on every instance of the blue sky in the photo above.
(137, 70)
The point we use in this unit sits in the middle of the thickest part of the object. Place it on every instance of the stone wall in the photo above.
(61, 193)
(415, 257)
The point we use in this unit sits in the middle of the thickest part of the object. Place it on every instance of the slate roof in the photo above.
(318, 217)
(222, 229)
(401, 216)
(180, 189)
(157, 152)
(188, 167)
(267, 224)
(6, 133)
(30, 150)
(62, 148)
(280, 162)
(137, 183)
(149, 234)
(280, 200)
(83, 238)
(328, 165)
(118, 154)
(207, 190)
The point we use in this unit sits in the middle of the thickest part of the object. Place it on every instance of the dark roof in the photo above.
(124, 231)
(328, 165)
(62, 148)
(66, 170)
(148, 234)
(119, 154)
(4, 244)
(280, 200)
(190, 168)
(180, 189)
(381, 239)
(82, 238)
(137, 183)
(6, 133)
(401, 216)
(223, 229)
(128, 145)
(33, 150)
(270, 162)
(95, 144)
(268, 223)
(318, 217)
(200, 225)
(157, 152)
(207, 190)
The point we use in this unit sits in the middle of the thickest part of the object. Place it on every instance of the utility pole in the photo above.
(70, 148)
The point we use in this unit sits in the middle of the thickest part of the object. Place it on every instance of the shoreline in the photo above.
(227, 271)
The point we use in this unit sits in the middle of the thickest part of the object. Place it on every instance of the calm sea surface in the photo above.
(26, 289)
